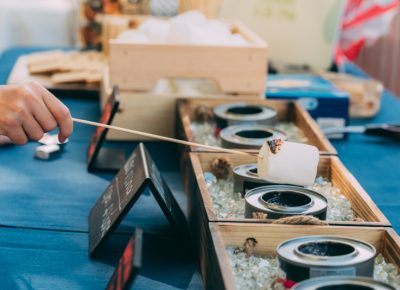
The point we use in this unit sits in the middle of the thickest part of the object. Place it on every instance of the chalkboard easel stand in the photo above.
(135, 176)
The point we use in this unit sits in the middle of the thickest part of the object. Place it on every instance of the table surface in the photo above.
(44, 208)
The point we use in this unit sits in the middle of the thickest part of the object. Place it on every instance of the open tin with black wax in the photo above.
(218, 273)
(260, 112)
(279, 201)
(306, 257)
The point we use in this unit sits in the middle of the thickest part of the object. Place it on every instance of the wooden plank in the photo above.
(359, 198)
(20, 75)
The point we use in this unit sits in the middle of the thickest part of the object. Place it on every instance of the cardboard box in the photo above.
(328, 105)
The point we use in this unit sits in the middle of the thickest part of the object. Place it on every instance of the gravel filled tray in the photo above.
(197, 122)
(213, 199)
(229, 261)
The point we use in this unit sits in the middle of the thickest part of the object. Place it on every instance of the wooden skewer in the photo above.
(163, 138)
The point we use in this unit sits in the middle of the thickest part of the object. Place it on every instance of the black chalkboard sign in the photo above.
(98, 157)
(138, 173)
(129, 264)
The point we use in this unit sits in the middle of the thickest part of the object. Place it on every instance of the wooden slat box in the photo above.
(201, 210)
(146, 111)
(215, 266)
(236, 69)
(287, 112)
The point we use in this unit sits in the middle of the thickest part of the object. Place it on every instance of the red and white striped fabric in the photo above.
(364, 21)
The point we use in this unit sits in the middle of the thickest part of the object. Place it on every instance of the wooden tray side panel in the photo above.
(200, 231)
(351, 188)
(390, 248)
(235, 234)
(139, 66)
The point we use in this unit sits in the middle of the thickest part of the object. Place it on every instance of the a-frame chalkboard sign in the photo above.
(138, 173)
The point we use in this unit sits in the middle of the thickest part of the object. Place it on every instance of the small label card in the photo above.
(129, 264)
(138, 173)
(99, 158)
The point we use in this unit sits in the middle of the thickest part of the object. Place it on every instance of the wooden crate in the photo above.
(201, 210)
(215, 267)
(146, 111)
(288, 111)
(236, 69)
(113, 25)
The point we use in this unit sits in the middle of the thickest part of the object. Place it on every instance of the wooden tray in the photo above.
(236, 69)
(148, 111)
(287, 112)
(20, 75)
(215, 266)
(201, 210)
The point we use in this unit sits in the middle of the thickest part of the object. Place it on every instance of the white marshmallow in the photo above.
(181, 34)
(190, 17)
(155, 29)
(294, 163)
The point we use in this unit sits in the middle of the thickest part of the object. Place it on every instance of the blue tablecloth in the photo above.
(44, 206)
(44, 210)
(375, 161)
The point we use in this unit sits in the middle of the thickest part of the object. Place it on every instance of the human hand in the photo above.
(28, 111)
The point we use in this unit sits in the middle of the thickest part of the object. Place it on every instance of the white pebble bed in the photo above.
(259, 273)
(203, 133)
(228, 204)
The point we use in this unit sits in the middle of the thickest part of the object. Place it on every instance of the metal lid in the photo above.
(249, 136)
(325, 251)
(294, 199)
(342, 283)
(249, 171)
(245, 112)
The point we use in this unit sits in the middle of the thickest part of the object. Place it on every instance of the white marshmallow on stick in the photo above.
(288, 162)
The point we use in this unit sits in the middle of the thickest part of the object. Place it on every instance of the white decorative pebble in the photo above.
(203, 132)
(259, 273)
(228, 204)
(191, 27)
(155, 29)
(339, 207)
